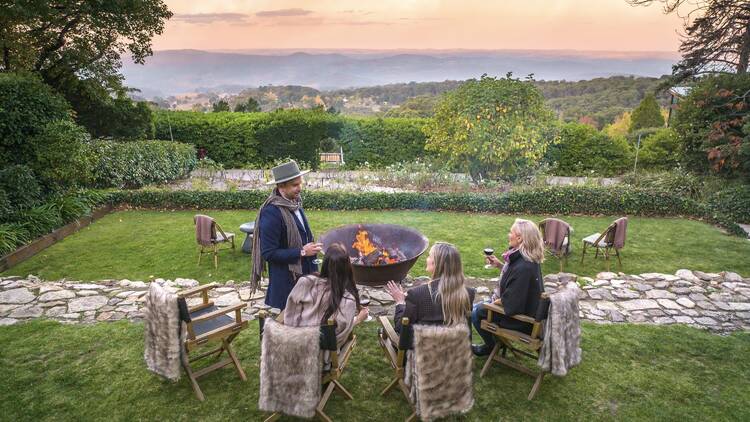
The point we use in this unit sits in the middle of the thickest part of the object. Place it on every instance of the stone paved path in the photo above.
(717, 302)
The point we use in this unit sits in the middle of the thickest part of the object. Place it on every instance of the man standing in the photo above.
(283, 237)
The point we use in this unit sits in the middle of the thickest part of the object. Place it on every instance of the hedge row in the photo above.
(138, 163)
(381, 142)
(554, 200)
(240, 139)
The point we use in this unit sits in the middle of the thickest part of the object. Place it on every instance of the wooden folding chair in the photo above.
(206, 325)
(218, 237)
(508, 340)
(395, 347)
(564, 251)
(339, 359)
(605, 241)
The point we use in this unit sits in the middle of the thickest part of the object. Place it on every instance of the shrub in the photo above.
(20, 186)
(237, 139)
(138, 163)
(660, 150)
(26, 106)
(40, 220)
(733, 202)
(382, 142)
(12, 236)
(583, 150)
(61, 155)
(679, 181)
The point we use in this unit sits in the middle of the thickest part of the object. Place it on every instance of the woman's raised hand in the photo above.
(492, 260)
(396, 293)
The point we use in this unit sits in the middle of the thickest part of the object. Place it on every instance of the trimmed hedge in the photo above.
(733, 202)
(382, 142)
(137, 163)
(553, 200)
(240, 139)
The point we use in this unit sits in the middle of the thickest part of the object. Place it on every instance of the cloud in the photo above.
(283, 13)
(206, 18)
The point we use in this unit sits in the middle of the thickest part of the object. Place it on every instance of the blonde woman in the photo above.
(444, 300)
(520, 283)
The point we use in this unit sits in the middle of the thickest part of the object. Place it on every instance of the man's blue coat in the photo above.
(274, 248)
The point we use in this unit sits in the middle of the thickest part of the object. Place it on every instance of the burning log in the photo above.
(372, 254)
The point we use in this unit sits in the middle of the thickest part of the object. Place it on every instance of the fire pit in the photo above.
(379, 252)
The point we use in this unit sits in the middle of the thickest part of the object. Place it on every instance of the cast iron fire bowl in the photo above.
(409, 241)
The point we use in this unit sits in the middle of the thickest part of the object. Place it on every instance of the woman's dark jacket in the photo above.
(520, 289)
(423, 306)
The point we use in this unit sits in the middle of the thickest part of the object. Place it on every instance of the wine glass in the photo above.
(364, 300)
(488, 252)
(318, 261)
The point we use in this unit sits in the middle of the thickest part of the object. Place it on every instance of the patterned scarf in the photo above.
(294, 240)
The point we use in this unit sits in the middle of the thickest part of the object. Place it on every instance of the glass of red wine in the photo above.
(488, 252)
(364, 300)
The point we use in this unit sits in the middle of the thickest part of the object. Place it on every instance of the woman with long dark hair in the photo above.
(331, 294)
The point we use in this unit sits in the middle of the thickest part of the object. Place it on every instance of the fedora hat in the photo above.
(286, 172)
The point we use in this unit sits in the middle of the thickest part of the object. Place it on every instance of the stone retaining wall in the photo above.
(716, 302)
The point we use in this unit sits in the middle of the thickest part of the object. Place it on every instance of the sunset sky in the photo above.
(610, 25)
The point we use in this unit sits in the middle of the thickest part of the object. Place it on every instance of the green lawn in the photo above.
(629, 372)
(139, 244)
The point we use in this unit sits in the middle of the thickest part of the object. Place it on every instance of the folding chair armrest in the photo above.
(494, 308)
(500, 310)
(388, 329)
(219, 312)
(197, 289)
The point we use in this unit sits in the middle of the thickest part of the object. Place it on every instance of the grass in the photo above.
(139, 244)
(629, 372)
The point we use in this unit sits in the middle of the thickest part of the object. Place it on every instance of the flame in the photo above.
(363, 244)
(365, 247)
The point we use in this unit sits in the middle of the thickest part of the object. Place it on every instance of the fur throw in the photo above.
(561, 347)
(164, 333)
(290, 369)
(438, 371)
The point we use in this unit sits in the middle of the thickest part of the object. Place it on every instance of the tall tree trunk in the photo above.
(744, 51)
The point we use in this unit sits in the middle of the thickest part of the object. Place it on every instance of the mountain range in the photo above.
(172, 72)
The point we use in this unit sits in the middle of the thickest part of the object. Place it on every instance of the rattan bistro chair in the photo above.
(217, 237)
(559, 250)
(607, 241)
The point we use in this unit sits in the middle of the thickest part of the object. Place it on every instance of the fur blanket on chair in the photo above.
(164, 334)
(438, 371)
(561, 346)
(290, 369)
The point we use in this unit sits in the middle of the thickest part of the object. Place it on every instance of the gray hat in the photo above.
(286, 172)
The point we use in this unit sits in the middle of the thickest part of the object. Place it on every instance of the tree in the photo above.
(647, 114)
(420, 106)
(249, 106)
(718, 40)
(62, 38)
(221, 105)
(620, 126)
(491, 127)
(714, 124)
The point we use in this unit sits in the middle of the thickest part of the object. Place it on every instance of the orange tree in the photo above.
(492, 127)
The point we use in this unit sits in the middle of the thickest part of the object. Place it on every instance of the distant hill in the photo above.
(175, 72)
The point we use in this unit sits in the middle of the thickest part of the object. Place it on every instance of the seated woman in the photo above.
(444, 300)
(520, 285)
(332, 294)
